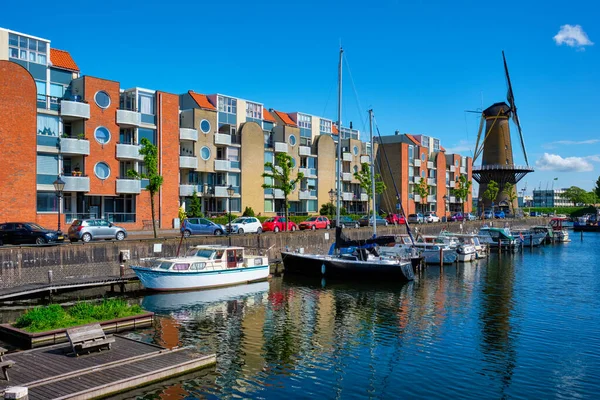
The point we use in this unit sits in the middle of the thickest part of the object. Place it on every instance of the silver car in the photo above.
(92, 229)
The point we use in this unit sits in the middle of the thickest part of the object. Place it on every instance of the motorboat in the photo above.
(497, 238)
(560, 232)
(203, 267)
(530, 237)
(466, 239)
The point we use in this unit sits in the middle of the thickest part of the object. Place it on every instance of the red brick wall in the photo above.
(168, 141)
(18, 130)
(440, 164)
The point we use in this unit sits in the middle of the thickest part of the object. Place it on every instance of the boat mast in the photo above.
(372, 172)
(339, 144)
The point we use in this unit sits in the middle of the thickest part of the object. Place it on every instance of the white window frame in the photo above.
(227, 105)
(253, 110)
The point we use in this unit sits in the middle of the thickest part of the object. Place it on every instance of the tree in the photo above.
(248, 212)
(363, 176)
(590, 198)
(511, 194)
(461, 192)
(597, 188)
(575, 195)
(150, 154)
(422, 189)
(195, 206)
(279, 174)
(492, 191)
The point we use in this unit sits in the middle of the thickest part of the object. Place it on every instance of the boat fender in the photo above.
(323, 269)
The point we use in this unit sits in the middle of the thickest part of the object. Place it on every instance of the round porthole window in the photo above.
(102, 99)
(102, 170)
(423, 174)
(423, 157)
(292, 140)
(293, 160)
(205, 126)
(355, 150)
(456, 163)
(205, 153)
(102, 135)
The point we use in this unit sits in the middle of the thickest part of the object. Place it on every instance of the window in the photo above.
(47, 164)
(423, 174)
(423, 157)
(268, 205)
(304, 121)
(205, 126)
(102, 99)
(292, 140)
(325, 126)
(146, 103)
(102, 135)
(456, 163)
(41, 90)
(436, 144)
(149, 134)
(102, 170)
(355, 150)
(27, 49)
(253, 110)
(57, 90)
(293, 162)
(47, 125)
(205, 153)
(411, 154)
(355, 169)
(227, 105)
(47, 202)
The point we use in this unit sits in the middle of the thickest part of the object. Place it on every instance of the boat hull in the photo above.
(332, 267)
(167, 280)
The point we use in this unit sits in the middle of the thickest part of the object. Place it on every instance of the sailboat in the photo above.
(349, 259)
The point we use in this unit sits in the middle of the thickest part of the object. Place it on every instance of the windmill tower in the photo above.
(497, 162)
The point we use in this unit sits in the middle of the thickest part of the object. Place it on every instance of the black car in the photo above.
(345, 222)
(27, 233)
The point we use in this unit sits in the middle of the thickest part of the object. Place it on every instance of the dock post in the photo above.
(441, 257)
(122, 270)
(49, 276)
(581, 235)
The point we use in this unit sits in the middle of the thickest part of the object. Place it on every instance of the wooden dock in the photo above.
(53, 372)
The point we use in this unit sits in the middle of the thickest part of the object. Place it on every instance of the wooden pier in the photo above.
(53, 372)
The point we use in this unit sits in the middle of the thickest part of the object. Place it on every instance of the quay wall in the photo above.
(24, 265)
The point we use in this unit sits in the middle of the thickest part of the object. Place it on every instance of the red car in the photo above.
(277, 224)
(396, 219)
(315, 223)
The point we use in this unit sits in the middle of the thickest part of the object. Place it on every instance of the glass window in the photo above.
(205, 153)
(304, 121)
(423, 156)
(13, 40)
(102, 135)
(47, 202)
(57, 90)
(102, 170)
(253, 110)
(149, 134)
(292, 140)
(205, 126)
(47, 164)
(227, 105)
(102, 99)
(13, 52)
(268, 205)
(146, 103)
(355, 169)
(42, 59)
(355, 150)
(47, 125)
(325, 126)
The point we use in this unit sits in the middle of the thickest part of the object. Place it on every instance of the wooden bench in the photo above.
(5, 365)
(88, 338)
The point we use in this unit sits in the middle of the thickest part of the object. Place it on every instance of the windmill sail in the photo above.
(511, 102)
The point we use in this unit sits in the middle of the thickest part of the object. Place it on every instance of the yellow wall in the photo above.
(253, 166)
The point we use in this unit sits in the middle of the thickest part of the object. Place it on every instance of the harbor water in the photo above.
(514, 326)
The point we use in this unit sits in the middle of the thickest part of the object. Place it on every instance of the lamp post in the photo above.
(230, 192)
(446, 207)
(480, 207)
(59, 186)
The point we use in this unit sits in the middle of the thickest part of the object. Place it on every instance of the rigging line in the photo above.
(355, 93)
(467, 132)
(412, 240)
(329, 97)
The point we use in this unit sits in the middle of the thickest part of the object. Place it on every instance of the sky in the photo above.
(418, 64)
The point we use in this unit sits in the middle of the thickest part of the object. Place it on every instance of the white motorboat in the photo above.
(529, 237)
(469, 240)
(203, 267)
(432, 253)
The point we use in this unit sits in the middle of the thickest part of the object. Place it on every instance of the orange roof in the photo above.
(334, 129)
(62, 59)
(412, 139)
(201, 100)
(267, 116)
(285, 118)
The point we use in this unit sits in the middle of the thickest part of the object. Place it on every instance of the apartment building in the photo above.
(414, 158)
(550, 198)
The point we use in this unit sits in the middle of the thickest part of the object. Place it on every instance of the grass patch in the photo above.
(46, 318)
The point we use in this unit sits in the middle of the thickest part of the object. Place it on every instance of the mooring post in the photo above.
(122, 270)
(441, 257)
(581, 236)
(49, 276)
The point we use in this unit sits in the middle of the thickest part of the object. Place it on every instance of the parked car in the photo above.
(27, 233)
(92, 229)
(345, 222)
(245, 225)
(431, 217)
(277, 224)
(396, 219)
(470, 217)
(201, 226)
(487, 214)
(367, 220)
(535, 214)
(457, 216)
(499, 214)
(315, 223)
(416, 218)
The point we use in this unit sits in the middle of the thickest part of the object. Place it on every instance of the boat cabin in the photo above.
(199, 258)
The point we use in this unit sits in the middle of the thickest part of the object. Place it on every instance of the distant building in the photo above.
(525, 201)
(550, 198)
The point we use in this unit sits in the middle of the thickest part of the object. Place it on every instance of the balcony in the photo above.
(129, 118)
(129, 186)
(222, 165)
(129, 151)
(463, 170)
(416, 179)
(76, 183)
(304, 151)
(452, 184)
(188, 134)
(74, 110)
(431, 199)
(278, 193)
(281, 147)
(188, 162)
(417, 198)
(430, 164)
(346, 157)
(188, 190)
(308, 172)
(346, 176)
(364, 197)
(75, 146)
(222, 139)
(431, 181)
(452, 168)
(452, 199)
(307, 195)
(346, 196)
(365, 159)
(417, 163)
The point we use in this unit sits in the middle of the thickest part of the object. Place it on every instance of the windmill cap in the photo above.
(497, 109)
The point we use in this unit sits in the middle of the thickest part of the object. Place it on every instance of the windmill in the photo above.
(495, 147)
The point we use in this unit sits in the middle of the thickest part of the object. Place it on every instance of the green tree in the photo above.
(195, 206)
(248, 212)
(575, 195)
(363, 176)
(492, 191)
(597, 188)
(280, 176)
(590, 198)
(462, 191)
(422, 189)
(155, 181)
(511, 195)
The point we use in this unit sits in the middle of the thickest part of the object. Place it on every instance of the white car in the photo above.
(431, 217)
(245, 225)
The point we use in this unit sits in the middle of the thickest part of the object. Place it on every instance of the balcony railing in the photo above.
(235, 164)
(431, 181)
(346, 196)
(70, 109)
(304, 151)
(430, 164)
(346, 157)
(346, 176)
(308, 172)
(188, 134)
(129, 186)
(129, 118)
(463, 170)
(452, 184)
(431, 199)
(129, 151)
(75, 146)
(417, 198)
(188, 162)
(417, 162)
(365, 159)
(222, 165)
(452, 168)
(278, 193)
(222, 139)
(364, 197)
(187, 190)
(416, 179)
(76, 183)
(281, 147)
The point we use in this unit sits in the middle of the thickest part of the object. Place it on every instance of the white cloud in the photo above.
(553, 145)
(554, 162)
(461, 147)
(572, 36)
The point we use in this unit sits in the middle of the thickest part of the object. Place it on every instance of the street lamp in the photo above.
(59, 186)
(230, 192)
(480, 207)
(446, 207)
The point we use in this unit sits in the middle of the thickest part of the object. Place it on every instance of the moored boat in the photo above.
(530, 237)
(560, 233)
(498, 238)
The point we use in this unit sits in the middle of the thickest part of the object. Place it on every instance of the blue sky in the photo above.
(418, 64)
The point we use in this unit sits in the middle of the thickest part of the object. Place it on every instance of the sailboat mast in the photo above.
(372, 171)
(339, 144)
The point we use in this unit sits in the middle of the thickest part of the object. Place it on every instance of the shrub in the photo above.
(248, 212)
